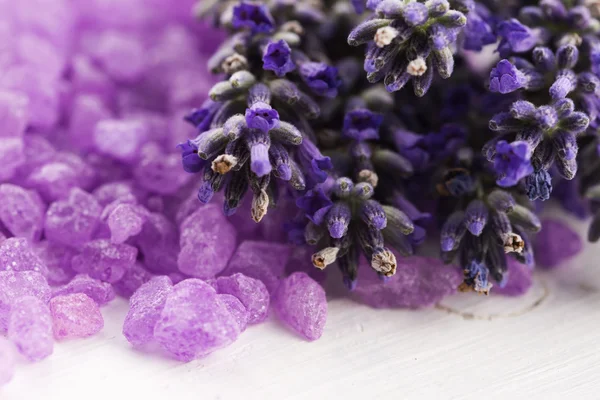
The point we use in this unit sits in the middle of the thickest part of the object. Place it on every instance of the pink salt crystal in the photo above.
(104, 260)
(73, 221)
(11, 156)
(16, 254)
(158, 172)
(14, 285)
(300, 261)
(251, 292)
(75, 316)
(134, 277)
(158, 244)
(120, 56)
(519, 279)
(556, 243)
(193, 322)
(86, 111)
(58, 260)
(30, 328)
(22, 211)
(264, 261)
(120, 139)
(101, 292)
(14, 113)
(53, 180)
(418, 282)
(8, 360)
(145, 307)
(207, 242)
(109, 192)
(301, 304)
(236, 308)
(125, 221)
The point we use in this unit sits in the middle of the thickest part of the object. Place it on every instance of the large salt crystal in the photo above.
(251, 292)
(54, 180)
(86, 174)
(8, 360)
(14, 285)
(236, 308)
(75, 316)
(120, 56)
(16, 254)
(120, 139)
(30, 328)
(57, 258)
(519, 279)
(158, 244)
(73, 221)
(89, 79)
(158, 172)
(86, 111)
(125, 221)
(418, 282)
(22, 211)
(14, 113)
(185, 89)
(11, 156)
(104, 260)
(118, 190)
(145, 307)
(40, 53)
(301, 304)
(37, 151)
(134, 277)
(193, 322)
(100, 292)
(556, 243)
(207, 242)
(264, 261)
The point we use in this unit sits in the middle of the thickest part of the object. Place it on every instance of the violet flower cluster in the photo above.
(480, 142)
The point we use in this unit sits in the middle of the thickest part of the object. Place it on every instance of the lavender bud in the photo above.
(544, 59)
(398, 220)
(539, 185)
(384, 262)
(363, 191)
(504, 122)
(338, 219)
(297, 180)
(437, 8)
(223, 163)
(313, 233)
(211, 143)
(234, 126)
(575, 123)
(259, 93)
(567, 168)
(280, 159)
(325, 257)
(365, 31)
(476, 216)
(443, 62)
(496, 264)
(368, 176)
(501, 201)
(526, 256)
(564, 107)
(422, 83)
(308, 107)
(393, 162)
(348, 264)
(567, 56)
(565, 83)
(453, 19)
(503, 229)
(234, 192)
(259, 144)
(453, 231)
(285, 91)
(234, 63)
(373, 214)
(399, 241)
(526, 218)
(260, 206)
(588, 82)
(286, 133)
(565, 144)
(343, 187)
(242, 80)
(223, 91)
(522, 110)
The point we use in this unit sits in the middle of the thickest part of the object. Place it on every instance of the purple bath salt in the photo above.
(145, 306)
(125, 221)
(121, 56)
(418, 282)
(75, 316)
(519, 279)
(134, 277)
(17, 284)
(251, 292)
(120, 139)
(158, 243)
(236, 308)
(11, 156)
(54, 180)
(555, 244)
(104, 260)
(301, 304)
(22, 211)
(118, 190)
(58, 260)
(264, 261)
(194, 323)
(87, 110)
(14, 113)
(73, 221)
(158, 172)
(16, 254)
(207, 242)
(101, 292)
(30, 328)
(8, 360)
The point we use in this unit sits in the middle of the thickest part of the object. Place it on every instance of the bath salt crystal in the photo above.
(519, 279)
(193, 322)
(120, 56)
(134, 277)
(125, 221)
(236, 308)
(11, 156)
(120, 139)
(300, 303)
(73, 221)
(158, 172)
(57, 258)
(54, 180)
(30, 328)
(145, 306)
(22, 211)
(14, 113)
(86, 111)
(251, 292)
(75, 316)
(556, 243)
(16, 254)
(101, 292)
(104, 260)
(118, 190)
(17, 284)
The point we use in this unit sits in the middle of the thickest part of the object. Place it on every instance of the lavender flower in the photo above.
(278, 58)
(512, 162)
(362, 124)
(253, 16)
(321, 78)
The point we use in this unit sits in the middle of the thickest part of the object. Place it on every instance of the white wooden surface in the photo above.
(545, 345)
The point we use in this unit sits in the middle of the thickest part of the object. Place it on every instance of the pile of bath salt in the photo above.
(95, 202)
